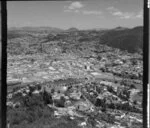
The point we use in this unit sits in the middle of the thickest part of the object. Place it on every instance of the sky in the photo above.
(80, 14)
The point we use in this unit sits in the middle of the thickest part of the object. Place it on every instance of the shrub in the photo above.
(39, 87)
(47, 98)
(99, 102)
(33, 101)
(53, 90)
(106, 117)
(16, 116)
(61, 102)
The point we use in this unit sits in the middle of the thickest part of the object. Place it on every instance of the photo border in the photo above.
(4, 59)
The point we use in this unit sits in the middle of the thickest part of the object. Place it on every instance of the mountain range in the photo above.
(130, 39)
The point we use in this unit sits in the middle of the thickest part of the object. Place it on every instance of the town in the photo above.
(70, 80)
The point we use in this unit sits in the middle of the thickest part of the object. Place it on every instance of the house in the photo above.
(9, 96)
(82, 106)
(87, 67)
(105, 83)
(104, 59)
(75, 95)
(36, 92)
(68, 103)
(9, 103)
(118, 62)
(57, 96)
(100, 96)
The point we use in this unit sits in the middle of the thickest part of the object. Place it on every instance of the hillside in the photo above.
(125, 39)
(73, 79)
(72, 29)
(14, 32)
(122, 38)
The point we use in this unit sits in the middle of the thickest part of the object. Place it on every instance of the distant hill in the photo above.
(15, 32)
(120, 28)
(130, 39)
(34, 29)
(72, 29)
(124, 39)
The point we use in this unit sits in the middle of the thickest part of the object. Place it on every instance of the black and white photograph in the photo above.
(75, 64)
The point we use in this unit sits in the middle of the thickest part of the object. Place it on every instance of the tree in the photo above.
(135, 102)
(134, 62)
(99, 57)
(103, 109)
(39, 87)
(47, 98)
(98, 102)
(110, 89)
(52, 90)
(31, 89)
(61, 102)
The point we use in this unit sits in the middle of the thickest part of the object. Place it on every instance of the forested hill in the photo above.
(125, 39)
(130, 39)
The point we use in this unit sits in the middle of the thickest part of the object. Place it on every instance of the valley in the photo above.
(75, 78)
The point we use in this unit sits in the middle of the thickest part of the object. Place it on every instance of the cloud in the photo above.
(127, 15)
(75, 5)
(117, 13)
(112, 9)
(124, 15)
(93, 12)
(140, 14)
(67, 10)
(76, 11)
